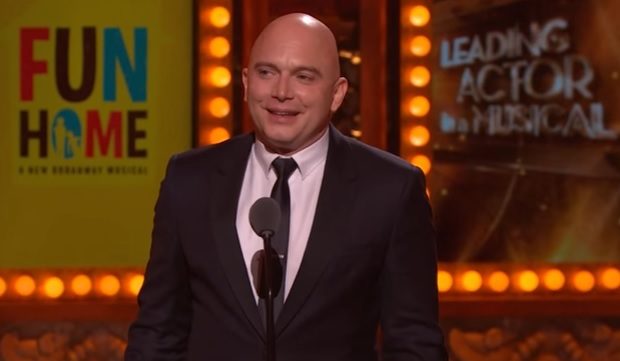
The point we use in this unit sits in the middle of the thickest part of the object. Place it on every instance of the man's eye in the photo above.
(304, 77)
(264, 72)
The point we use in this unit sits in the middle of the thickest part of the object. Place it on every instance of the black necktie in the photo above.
(283, 167)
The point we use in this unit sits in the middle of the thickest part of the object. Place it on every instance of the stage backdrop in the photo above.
(527, 131)
(95, 97)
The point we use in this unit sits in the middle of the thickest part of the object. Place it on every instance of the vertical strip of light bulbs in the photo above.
(415, 82)
(215, 71)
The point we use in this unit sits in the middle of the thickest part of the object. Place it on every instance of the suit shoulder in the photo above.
(380, 161)
(215, 152)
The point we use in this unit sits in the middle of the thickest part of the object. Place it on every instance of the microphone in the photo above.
(265, 217)
(265, 220)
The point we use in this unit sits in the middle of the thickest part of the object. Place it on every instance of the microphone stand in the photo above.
(269, 321)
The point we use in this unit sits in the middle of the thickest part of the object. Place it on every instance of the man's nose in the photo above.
(282, 88)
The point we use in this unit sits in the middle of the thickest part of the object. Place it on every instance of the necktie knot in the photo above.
(284, 167)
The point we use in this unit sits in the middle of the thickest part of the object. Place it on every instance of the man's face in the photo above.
(292, 88)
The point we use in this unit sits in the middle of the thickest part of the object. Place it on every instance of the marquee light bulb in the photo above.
(420, 46)
(219, 107)
(219, 16)
(419, 136)
(583, 281)
(472, 281)
(554, 279)
(528, 281)
(498, 281)
(419, 15)
(53, 287)
(423, 162)
(419, 106)
(81, 285)
(109, 285)
(24, 285)
(444, 281)
(420, 76)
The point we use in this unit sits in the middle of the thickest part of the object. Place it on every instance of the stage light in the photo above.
(419, 106)
(471, 280)
(419, 136)
(24, 285)
(219, 76)
(419, 76)
(81, 285)
(135, 284)
(219, 16)
(356, 133)
(219, 107)
(609, 278)
(356, 59)
(219, 47)
(419, 15)
(2, 286)
(444, 281)
(583, 281)
(53, 287)
(554, 279)
(527, 281)
(420, 45)
(109, 285)
(213, 136)
(422, 162)
(498, 281)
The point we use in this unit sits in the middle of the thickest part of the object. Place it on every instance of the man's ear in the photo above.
(244, 80)
(340, 90)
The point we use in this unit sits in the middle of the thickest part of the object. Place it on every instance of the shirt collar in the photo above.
(307, 159)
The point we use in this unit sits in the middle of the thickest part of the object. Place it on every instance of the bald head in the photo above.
(300, 28)
(292, 84)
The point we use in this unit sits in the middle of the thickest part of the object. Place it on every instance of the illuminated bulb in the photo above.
(419, 76)
(81, 285)
(219, 76)
(528, 281)
(219, 16)
(2, 286)
(419, 136)
(472, 281)
(135, 284)
(219, 107)
(419, 106)
(214, 136)
(554, 279)
(423, 162)
(498, 281)
(356, 133)
(419, 15)
(420, 45)
(583, 281)
(610, 278)
(53, 287)
(356, 59)
(24, 285)
(218, 47)
(444, 281)
(109, 285)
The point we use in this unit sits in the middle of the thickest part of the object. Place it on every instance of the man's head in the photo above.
(293, 84)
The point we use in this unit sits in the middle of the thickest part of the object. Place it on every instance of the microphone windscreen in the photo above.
(265, 216)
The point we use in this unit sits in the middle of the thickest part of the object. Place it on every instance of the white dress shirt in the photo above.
(304, 185)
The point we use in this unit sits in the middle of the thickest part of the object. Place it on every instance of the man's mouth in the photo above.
(283, 112)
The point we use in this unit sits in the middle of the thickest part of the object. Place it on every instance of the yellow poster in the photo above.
(96, 96)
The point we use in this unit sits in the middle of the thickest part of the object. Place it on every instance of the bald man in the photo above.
(360, 251)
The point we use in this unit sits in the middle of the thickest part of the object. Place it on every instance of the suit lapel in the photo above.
(330, 223)
(226, 189)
